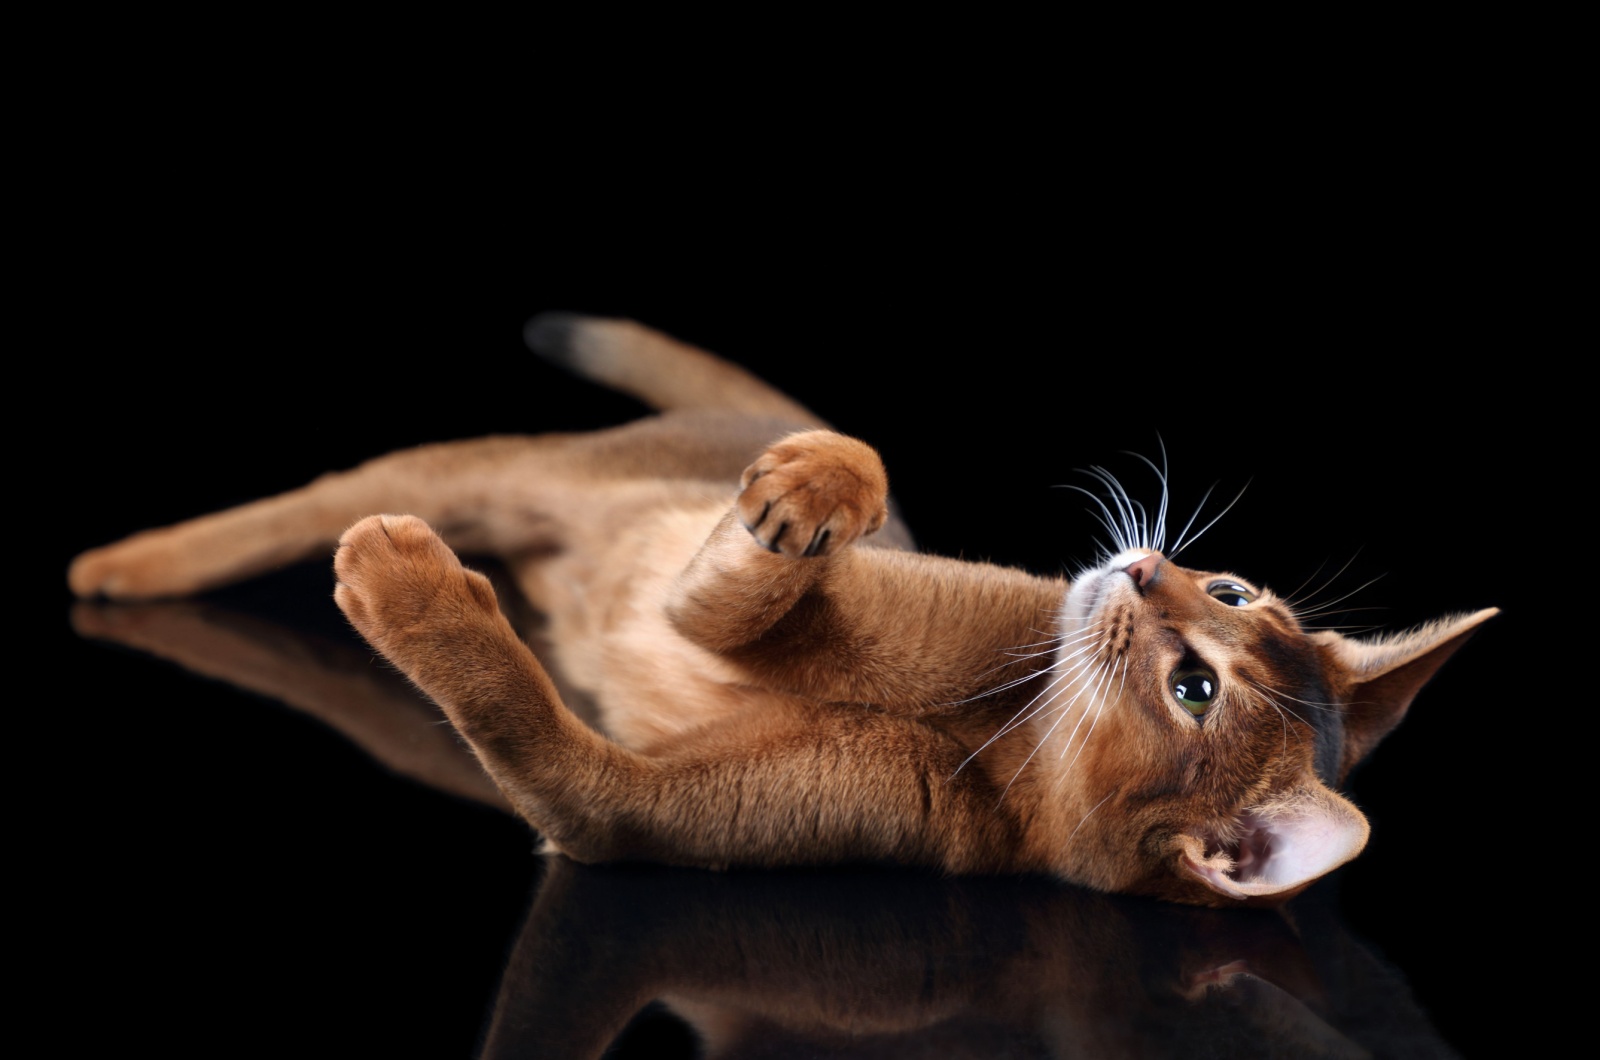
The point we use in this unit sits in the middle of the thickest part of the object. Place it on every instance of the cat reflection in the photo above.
(876, 963)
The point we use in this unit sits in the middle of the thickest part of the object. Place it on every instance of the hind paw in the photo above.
(146, 566)
(813, 493)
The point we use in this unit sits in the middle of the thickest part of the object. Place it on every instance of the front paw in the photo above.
(404, 589)
(813, 493)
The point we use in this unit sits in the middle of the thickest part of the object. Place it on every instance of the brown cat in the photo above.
(780, 681)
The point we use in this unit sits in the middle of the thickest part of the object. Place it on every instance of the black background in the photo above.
(1366, 355)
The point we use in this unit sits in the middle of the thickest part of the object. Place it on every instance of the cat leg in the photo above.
(454, 485)
(791, 783)
(778, 590)
(806, 499)
(503, 495)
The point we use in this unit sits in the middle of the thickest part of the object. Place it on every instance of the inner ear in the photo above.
(1276, 850)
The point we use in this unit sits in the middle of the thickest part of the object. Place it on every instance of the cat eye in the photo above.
(1231, 593)
(1195, 688)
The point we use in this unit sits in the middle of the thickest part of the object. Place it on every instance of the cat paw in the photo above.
(404, 589)
(813, 493)
(142, 567)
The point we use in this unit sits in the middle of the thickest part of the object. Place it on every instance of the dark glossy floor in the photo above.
(267, 845)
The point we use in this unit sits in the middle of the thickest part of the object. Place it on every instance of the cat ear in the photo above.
(1274, 852)
(1383, 676)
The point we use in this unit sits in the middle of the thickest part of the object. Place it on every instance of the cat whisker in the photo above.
(1283, 718)
(1091, 713)
(1063, 711)
(1197, 510)
(1275, 694)
(1018, 654)
(1127, 519)
(1272, 700)
(1069, 656)
(1326, 608)
(1097, 696)
(1025, 678)
(1018, 719)
(1088, 632)
(1270, 697)
(1292, 598)
(1028, 712)
(1099, 710)
(1093, 808)
(1048, 707)
(1050, 643)
(1335, 612)
(1353, 628)
(1143, 534)
(1024, 651)
(1015, 655)
(1103, 517)
(1159, 541)
(1183, 544)
(1004, 687)
(1128, 510)
(1106, 552)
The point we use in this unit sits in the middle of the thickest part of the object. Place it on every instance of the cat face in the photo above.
(1199, 717)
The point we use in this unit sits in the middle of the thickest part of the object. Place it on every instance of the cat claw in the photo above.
(812, 494)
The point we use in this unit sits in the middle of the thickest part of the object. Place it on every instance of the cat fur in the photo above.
(780, 679)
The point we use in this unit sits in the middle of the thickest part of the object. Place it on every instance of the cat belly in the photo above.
(604, 594)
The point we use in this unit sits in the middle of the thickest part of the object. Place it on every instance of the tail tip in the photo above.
(552, 335)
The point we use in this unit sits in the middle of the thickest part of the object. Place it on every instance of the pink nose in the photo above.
(1144, 571)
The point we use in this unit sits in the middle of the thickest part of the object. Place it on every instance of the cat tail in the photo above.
(657, 369)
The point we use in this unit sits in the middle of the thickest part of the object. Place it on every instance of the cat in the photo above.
(779, 678)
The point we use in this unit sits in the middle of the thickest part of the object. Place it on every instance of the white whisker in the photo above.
(1293, 598)
(1198, 533)
(1028, 712)
(1099, 709)
(1103, 516)
(1327, 607)
(1197, 510)
(1097, 699)
(1158, 542)
(1093, 808)
(1063, 710)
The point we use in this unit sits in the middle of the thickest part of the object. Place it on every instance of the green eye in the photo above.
(1231, 593)
(1195, 688)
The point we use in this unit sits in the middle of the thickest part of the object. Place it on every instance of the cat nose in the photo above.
(1145, 570)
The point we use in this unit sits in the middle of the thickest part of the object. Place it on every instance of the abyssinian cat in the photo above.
(780, 680)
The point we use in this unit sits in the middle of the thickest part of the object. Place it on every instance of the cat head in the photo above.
(1204, 723)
